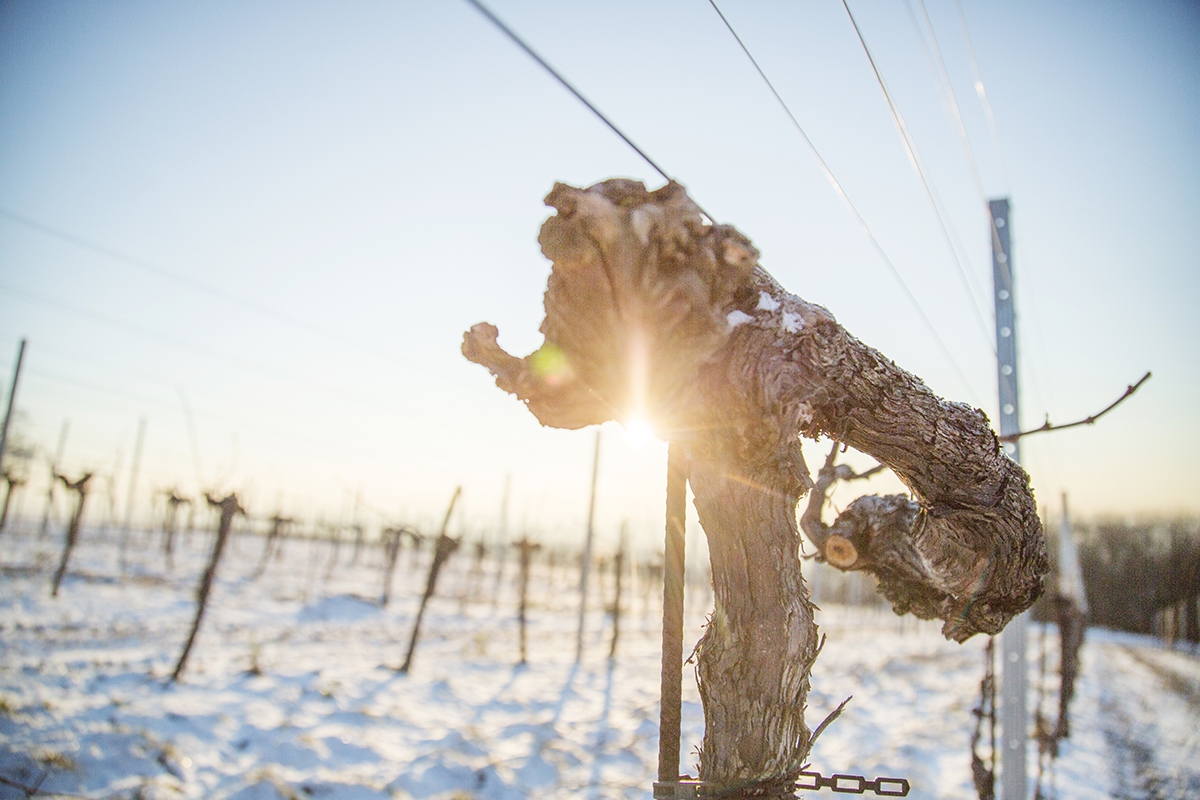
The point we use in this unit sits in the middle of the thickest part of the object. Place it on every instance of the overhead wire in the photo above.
(146, 266)
(193, 284)
(511, 34)
(981, 92)
(301, 444)
(496, 21)
(933, 53)
(256, 367)
(841, 193)
(937, 65)
(918, 165)
(943, 74)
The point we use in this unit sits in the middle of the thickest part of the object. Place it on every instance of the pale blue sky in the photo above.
(333, 192)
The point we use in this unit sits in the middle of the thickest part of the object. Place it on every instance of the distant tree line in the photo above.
(1133, 570)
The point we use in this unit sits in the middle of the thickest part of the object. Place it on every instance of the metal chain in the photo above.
(692, 789)
(854, 784)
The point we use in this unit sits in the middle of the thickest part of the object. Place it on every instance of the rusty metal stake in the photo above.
(672, 632)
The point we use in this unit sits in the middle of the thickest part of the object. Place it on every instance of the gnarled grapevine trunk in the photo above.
(651, 311)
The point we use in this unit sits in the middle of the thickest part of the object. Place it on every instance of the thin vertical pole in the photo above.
(1070, 578)
(526, 549)
(618, 569)
(58, 456)
(12, 393)
(133, 477)
(501, 540)
(11, 482)
(586, 563)
(391, 549)
(672, 630)
(504, 508)
(1014, 716)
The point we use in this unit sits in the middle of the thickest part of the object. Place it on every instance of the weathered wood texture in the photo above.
(652, 311)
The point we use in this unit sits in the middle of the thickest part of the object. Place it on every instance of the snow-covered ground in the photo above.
(292, 691)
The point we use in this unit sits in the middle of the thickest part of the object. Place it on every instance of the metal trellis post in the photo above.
(1014, 716)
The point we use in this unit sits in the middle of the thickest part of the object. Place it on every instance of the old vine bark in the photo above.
(653, 312)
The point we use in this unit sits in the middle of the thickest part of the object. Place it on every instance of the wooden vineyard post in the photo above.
(171, 525)
(392, 542)
(335, 535)
(58, 456)
(80, 488)
(470, 589)
(501, 541)
(525, 549)
(585, 559)
(12, 482)
(500, 556)
(443, 549)
(359, 534)
(279, 524)
(229, 508)
(418, 541)
(12, 395)
(133, 480)
(654, 312)
(1071, 610)
(190, 528)
(618, 570)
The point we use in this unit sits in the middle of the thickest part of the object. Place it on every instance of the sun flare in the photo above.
(638, 432)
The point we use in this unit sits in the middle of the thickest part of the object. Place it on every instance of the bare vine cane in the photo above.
(1090, 419)
(80, 488)
(653, 311)
(525, 550)
(170, 525)
(229, 507)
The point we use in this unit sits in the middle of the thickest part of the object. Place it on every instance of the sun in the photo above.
(638, 432)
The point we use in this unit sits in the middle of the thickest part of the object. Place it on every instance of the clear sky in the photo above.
(286, 214)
